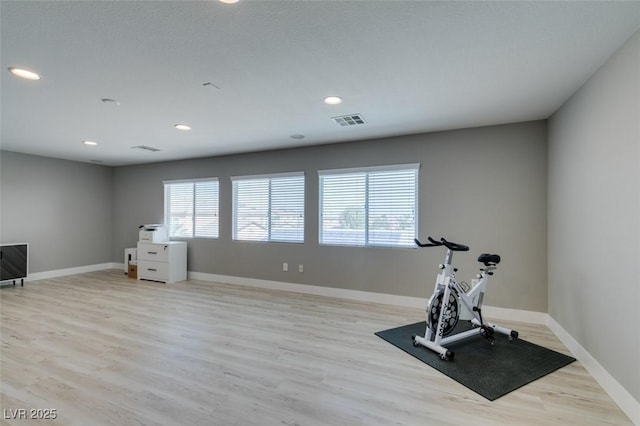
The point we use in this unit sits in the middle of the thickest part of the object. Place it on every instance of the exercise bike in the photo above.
(443, 307)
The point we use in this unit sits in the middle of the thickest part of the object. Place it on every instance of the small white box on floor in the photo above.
(130, 254)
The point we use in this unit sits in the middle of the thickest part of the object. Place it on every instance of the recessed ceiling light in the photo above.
(24, 73)
(182, 127)
(229, 1)
(90, 143)
(332, 100)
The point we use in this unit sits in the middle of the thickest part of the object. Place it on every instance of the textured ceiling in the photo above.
(405, 66)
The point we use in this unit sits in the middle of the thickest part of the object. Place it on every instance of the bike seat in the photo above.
(488, 259)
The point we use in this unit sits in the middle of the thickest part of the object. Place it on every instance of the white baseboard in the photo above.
(366, 296)
(619, 394)
(341, 293)
(518, 315)
(69, 271)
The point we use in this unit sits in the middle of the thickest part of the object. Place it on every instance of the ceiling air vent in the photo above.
(146, 148)
(349, 120)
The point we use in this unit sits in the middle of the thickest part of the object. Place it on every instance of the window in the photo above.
(373, 206)
(269, 208)
(191, 208)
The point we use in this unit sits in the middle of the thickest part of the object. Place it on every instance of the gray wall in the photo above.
(63, 209)
(594, 216)
(485, 187)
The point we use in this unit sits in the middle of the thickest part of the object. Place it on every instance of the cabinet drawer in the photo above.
(149, 270)
(155, 252)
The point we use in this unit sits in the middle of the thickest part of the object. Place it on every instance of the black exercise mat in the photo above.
(490, 370)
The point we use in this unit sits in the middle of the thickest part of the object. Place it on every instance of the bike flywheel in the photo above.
(451, 312)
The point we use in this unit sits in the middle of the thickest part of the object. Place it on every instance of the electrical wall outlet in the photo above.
(285, 266)
(301, 268)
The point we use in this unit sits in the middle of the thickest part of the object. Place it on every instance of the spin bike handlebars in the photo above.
(448, 244)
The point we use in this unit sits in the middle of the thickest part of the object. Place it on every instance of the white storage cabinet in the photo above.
(165, 262)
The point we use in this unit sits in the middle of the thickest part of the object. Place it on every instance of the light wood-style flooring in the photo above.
(102, 349)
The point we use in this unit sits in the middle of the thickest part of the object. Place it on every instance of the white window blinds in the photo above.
(269, 208)
(191, 208)
(374, 206)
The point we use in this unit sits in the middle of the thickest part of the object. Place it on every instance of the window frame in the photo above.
(270, 220)
(367, 195)
(167, 202)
